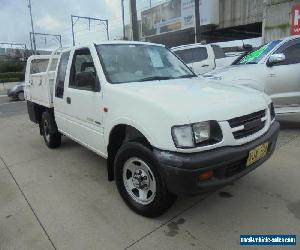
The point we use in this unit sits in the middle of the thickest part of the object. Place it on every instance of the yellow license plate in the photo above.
(257, 153)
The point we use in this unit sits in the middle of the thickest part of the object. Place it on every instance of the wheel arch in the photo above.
(119, 134)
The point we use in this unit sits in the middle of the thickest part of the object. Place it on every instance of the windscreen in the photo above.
(255, 56)
(138, 62)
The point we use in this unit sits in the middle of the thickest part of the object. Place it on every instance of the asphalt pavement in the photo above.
(61, 199)
(10, 107)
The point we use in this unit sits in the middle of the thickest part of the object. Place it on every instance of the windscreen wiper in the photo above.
(251, 63)
(186, 76)
(154, 78)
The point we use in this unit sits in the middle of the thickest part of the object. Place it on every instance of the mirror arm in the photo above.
(269, 64)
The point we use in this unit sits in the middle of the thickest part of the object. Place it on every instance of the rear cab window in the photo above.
(192, 55)
(38, 66)
(218, 51)
(53, 64)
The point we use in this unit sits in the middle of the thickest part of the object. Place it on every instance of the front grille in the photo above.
(252, 124)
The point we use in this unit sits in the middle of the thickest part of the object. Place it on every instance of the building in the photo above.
(172, 22)
(279, 17)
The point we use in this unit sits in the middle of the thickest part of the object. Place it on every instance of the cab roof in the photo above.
(129, 42)
(115, 42)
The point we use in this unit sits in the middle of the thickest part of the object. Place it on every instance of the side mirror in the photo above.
(275, 58)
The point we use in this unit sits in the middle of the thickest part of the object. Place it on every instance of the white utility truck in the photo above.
(203, 58)
(163, 130)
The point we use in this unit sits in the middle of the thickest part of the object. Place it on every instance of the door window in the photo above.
(291, 51)
(292, 54)
(61, 74)
(83, 72)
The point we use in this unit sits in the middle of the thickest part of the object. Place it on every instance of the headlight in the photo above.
(201, 131)
(197, 134)
(272, 111)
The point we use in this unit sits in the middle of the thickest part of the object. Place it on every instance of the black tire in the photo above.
(50, 134)
(20, 96)
(162, 199)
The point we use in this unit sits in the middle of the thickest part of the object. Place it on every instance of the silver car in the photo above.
(16, 92)
(273, 68)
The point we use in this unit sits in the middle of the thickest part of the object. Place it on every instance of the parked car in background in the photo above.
(163, 130)
(203, 58)
(16, 92)
(273, 68)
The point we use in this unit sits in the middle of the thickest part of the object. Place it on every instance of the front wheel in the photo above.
(139, 182)
(20, 96)
(51, 136)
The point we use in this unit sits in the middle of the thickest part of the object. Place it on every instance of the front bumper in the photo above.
(11, 94)
(181, 171)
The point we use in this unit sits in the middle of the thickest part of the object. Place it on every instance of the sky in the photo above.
(54, 17)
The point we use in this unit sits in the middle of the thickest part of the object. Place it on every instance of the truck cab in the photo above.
(163, 130)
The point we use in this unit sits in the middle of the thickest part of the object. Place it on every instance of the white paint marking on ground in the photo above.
(2, 104)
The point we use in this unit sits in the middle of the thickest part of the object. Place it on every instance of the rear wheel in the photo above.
(51, 137)
(139, 182)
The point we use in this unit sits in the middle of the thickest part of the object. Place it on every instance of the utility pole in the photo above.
(134, 21)
(265, 6)
(197, 22)
(106, 27)
(74, 20)
(123, 18)
(150, 3)
(32, 28)
(73, 35)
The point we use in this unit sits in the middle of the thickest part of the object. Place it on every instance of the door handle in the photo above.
(205, 65)
(69, 100)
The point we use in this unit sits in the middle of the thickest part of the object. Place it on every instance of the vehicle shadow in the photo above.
(289, 125)
(289, 122)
